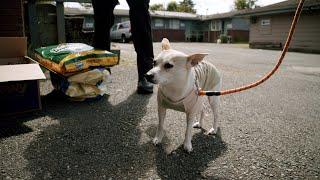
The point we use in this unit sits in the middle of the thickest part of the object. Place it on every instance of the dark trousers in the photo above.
(140, 28)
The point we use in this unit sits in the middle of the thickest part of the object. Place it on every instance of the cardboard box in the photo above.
(19, 80)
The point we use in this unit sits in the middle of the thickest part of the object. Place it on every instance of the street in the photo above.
(269, 132)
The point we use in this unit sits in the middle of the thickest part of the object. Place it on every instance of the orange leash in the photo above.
(267, 76)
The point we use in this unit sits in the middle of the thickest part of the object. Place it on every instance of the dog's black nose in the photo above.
(149, 77)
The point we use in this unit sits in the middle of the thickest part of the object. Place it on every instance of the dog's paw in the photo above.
(197, 125)
(188, 147)
(212, 131)
(156, 141)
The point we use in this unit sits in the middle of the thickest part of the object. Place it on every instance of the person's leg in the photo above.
(103, 21)
(142, 40)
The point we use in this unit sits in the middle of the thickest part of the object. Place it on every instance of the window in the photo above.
(265, 26)
(215, 25)
(126, 25)
(265, 22)
(158, 22)
(121, 26)
(174, 24)
(88, 24)
(182, 25)
(229, 26)
(114, 27)
(123, 19)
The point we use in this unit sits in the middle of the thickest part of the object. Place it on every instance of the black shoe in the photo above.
(144, 87)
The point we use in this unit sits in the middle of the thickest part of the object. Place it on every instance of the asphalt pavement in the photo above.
(269, 132)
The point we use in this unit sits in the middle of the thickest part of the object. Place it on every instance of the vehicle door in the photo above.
(120, 31)
(113, 32)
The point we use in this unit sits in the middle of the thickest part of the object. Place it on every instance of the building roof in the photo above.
(223, 15)
(72, 10)
(170, 14)
(76, 9)
(281, 7)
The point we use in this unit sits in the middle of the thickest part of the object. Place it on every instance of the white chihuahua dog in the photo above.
(179, 77)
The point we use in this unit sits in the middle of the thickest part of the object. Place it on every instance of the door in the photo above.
(113, 32)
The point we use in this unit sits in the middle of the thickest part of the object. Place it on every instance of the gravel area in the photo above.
(270, 132)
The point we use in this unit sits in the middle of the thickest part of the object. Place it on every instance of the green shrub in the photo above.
(223, 38)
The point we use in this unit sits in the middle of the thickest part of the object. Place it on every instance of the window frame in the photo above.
(158, 23)
(265, 22)
(174, 24)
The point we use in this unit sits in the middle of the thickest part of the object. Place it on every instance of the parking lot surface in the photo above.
(269, 132)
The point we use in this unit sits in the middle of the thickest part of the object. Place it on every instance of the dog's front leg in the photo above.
(200, 123)
(160, 132)
(188, 136)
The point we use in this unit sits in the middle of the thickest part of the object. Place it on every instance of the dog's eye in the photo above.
(167, 65)
(154, 63)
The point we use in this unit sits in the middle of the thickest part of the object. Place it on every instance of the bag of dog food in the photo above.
(73, 57)
(82, 86)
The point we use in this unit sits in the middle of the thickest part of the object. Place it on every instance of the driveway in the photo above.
(270, 132)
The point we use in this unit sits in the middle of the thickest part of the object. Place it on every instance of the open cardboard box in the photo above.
(19, 80)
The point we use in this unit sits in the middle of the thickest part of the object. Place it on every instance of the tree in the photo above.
(244, 4)
(251, 4)
(186, 6)
(240, 4)
(156, 7)
(172, 6)
(183, 6)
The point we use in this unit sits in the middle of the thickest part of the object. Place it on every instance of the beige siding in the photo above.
(307, 34)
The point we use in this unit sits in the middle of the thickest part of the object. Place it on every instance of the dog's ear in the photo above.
(194, 59)
(165, 44)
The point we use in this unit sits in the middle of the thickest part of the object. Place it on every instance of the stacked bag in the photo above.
(77, 70)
